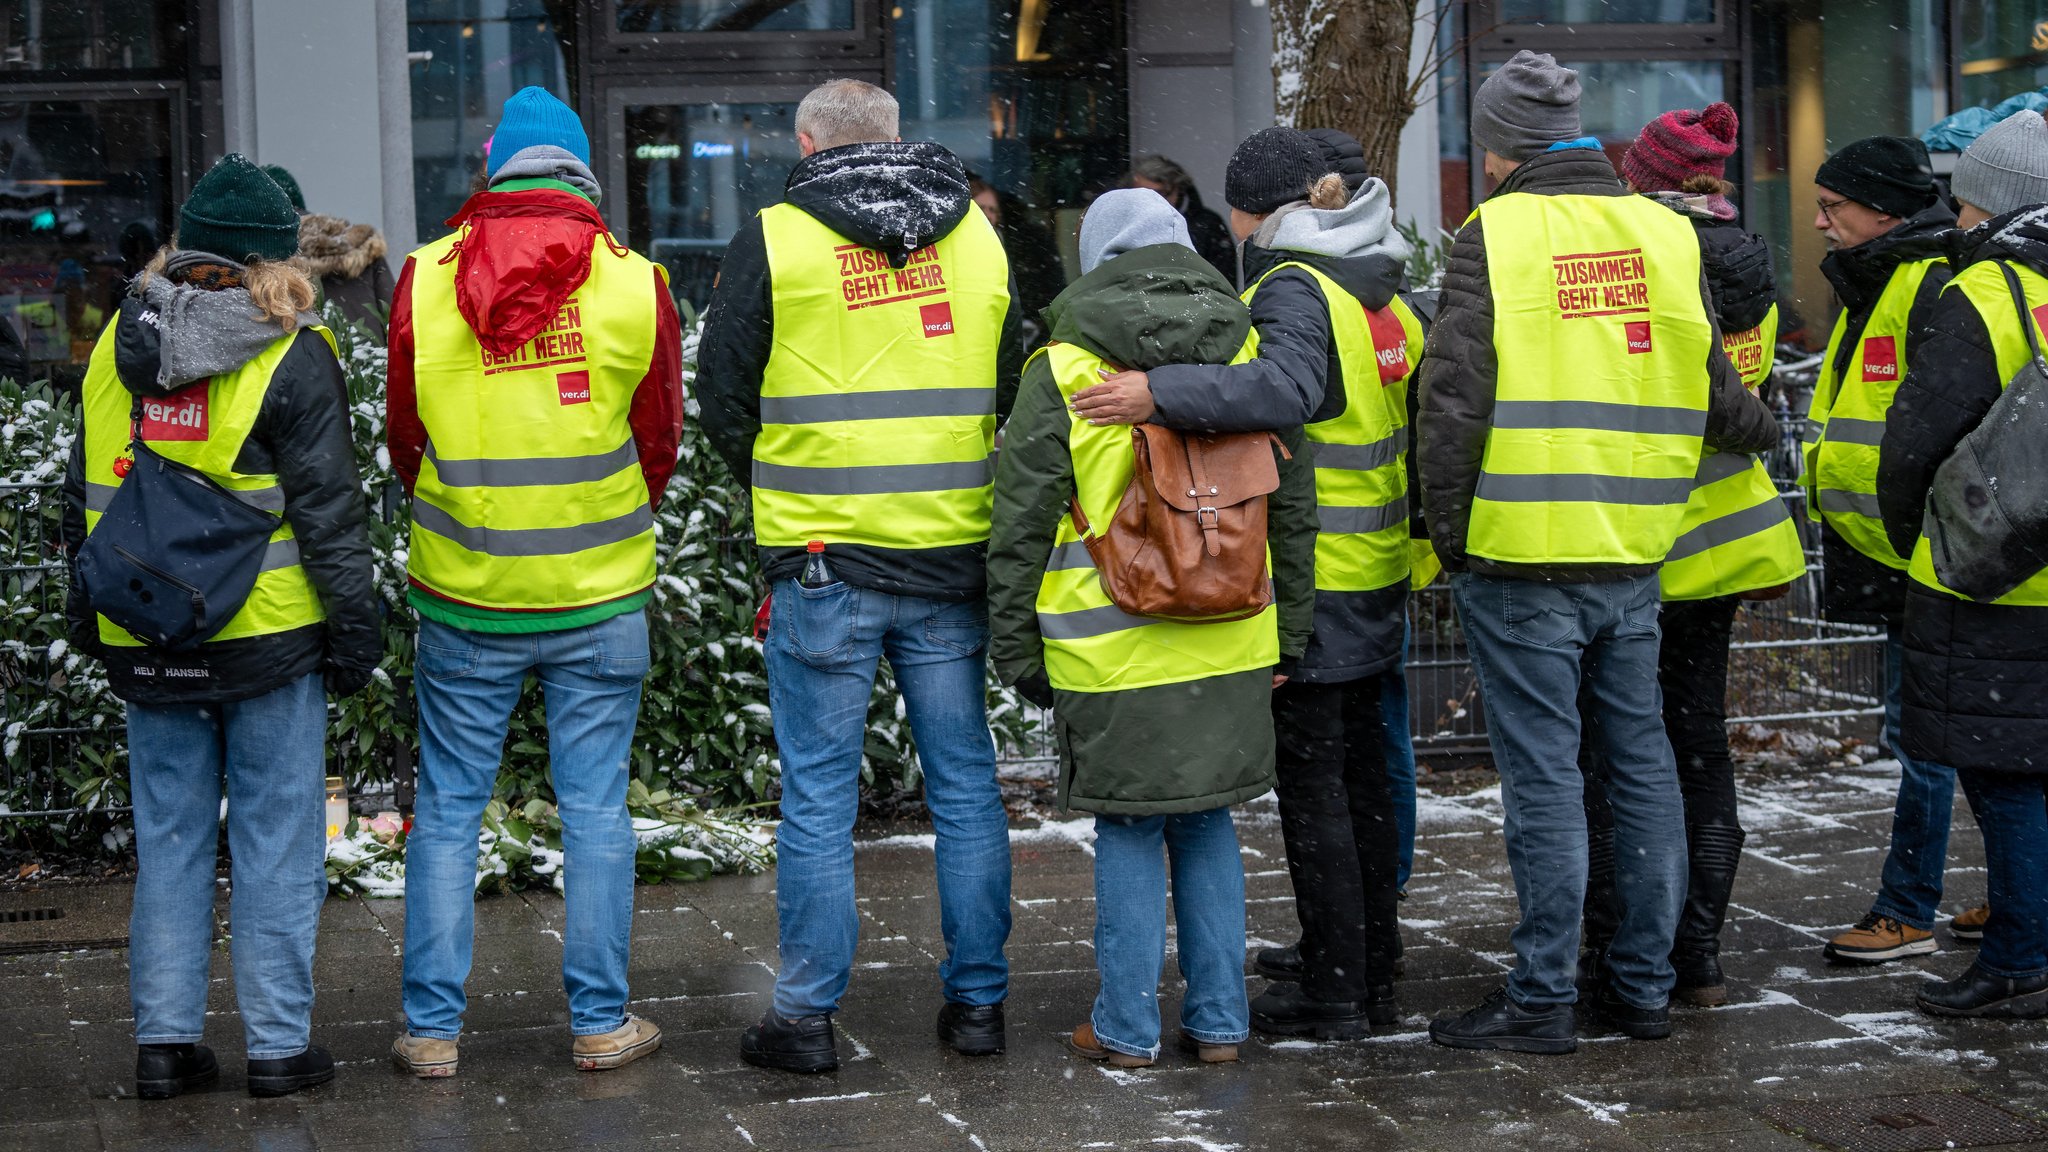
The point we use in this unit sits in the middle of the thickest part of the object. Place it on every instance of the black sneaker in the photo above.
(972, 1030)
(290, 1074)
(1631, 1021)
(1281, 965)
(805, 1044)
(1978, 993)
(1285, 1010)
(1501, 1023)
(166, 1070)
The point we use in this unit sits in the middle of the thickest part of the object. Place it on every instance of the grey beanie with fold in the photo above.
(1528, 104)
(1128, 219)
(2007, 167)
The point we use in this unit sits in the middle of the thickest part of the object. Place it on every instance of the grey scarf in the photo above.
(547, 162)
(204, 333)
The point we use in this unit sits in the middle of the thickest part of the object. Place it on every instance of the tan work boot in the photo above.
(1084, 1044)
(1206, 1052)
(1970, 925)
(1876, 939)
(423, 1056)
(616, 1048)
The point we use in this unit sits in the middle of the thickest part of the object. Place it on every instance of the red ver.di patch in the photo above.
(1881, 359)
(1389, 344)
(574, 387)
(1638, 335)
(179, 416)
(937, 319)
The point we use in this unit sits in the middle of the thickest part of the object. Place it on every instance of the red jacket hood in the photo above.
(521, 255)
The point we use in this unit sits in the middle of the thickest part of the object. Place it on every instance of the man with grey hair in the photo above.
(860, 345)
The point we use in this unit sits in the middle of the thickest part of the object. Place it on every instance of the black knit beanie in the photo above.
(1888, 173)
(289, 183)
(1342, 154)
(237, 211)
(1273, 166)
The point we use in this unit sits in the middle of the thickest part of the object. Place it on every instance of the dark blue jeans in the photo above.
(1400, 746)
(1531, 644)
(1910, 891)
(2012, 812)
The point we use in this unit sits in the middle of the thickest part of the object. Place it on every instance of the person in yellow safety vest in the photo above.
(862, 342)
(1336, 348)
(1737, 540)
(1162, 726)
(534, 408)
(213, 362)
(1975, 691)
(1572, 380)
(1888, 236)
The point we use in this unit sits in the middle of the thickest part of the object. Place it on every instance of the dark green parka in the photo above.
(1185, 747)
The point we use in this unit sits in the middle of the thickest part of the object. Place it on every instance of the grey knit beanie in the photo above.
(2007, 167)
(1128, 219)
(1528, 104)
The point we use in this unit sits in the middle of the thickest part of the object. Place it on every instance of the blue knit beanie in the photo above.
(534, 117)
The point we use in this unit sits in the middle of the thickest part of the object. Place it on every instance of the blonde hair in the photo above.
(1703, 184)
(1328, 192)
(280, 289)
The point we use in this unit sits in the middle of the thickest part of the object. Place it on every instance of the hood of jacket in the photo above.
(893, 196)
(170, 333)
(1355, 245)
(331, 246)
(1152, 306)
(2020, 236)
(521, 255)
(1859, 274)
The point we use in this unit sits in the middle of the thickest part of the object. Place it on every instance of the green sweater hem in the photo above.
(471, 618)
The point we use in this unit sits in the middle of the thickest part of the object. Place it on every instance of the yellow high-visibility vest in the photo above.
(1984, 285)
(1091, 645)
(878, 403)
(1601, 407)
(203, 427)
(531, 496)
(1845, 424)
(1360, 456)
(1737, 535)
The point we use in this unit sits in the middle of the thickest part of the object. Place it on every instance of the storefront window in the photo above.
(733, 15)
(1620, 96)
(42, 35)
(2001, 49)
(482, 52)
(695, 173)
(1605, 11)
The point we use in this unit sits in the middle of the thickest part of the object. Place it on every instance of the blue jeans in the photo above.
(1130, 928)
(1531, 644)
(271, 753)
(467, 684)
(1400, 761)
(1910, 891)
(2012, 811)
(822, 649)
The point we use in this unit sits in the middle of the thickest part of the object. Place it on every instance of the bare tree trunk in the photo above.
(1344, 64)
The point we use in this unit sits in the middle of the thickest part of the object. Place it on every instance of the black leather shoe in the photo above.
(1631, 1021)
(292, 1073)
(166, 1070)
(1380, 1009)
(972, 1030)
(1285, 1010)
(1978, 993)
(1281, 965)
(805, 1044)
(1700, 982)
(1501, 1023)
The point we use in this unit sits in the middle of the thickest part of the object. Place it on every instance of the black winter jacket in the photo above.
(1460, 372)
(1976, 675)
(1857, 589)
(1740, 279)
(896, 197)
(302, 435)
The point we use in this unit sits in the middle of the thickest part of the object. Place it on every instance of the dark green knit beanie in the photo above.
(239, 212)
(290, 185)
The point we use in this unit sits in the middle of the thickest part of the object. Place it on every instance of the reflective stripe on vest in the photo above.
(531, 496)
(1361, 481)
(1602, 340)
(1737, 535)
(204, 427)
(878, 402)
(1986, 289)
(1845, 424)
(1754, 351)
(1091, 645)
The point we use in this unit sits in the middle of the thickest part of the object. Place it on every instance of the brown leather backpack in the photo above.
(1188, 541)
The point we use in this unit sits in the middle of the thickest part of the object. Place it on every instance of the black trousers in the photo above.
(1337, 817)
(1692, 671)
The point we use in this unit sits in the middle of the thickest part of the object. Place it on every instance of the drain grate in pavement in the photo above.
(1917, 1123)
(64, 918)
(27, 915)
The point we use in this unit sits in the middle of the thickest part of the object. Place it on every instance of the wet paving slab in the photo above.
(1803, 1043)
